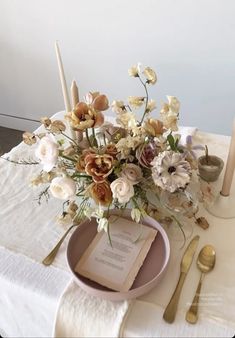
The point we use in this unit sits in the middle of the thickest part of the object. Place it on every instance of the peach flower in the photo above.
(99, 166)
(101, 103)
(101, 193)
(98, 101)
(85, 116)
(80, 165)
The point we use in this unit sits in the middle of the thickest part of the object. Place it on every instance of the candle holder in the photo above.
(222, 207)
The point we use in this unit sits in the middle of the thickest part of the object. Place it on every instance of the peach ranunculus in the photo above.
(101, 193)
(99, 166)
(153, 127)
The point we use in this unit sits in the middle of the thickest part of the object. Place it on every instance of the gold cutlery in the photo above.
(170, 311)
(205, 263)
(51, 256)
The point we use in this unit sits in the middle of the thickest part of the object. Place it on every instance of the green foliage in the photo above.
(173, 143)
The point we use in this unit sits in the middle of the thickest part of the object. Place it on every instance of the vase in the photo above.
(181, 205)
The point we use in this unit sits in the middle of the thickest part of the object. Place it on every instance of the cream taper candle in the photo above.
(230, 166)
(74, 94)
(75, 100)
(62, 79)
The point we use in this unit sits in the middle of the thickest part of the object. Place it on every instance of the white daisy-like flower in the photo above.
(171, 171)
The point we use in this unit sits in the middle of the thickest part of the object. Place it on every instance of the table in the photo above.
(30, 292)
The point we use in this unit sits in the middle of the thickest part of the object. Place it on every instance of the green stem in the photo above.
(146, 102)
(21, 162)
(78, 175)
(110, 240)
(87, 136)
(69, 138)
(181, 228)
(207, 154)
(95, 143)
(68, 158)
(173, 217)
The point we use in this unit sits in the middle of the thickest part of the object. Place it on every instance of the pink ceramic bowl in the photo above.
(148, 276)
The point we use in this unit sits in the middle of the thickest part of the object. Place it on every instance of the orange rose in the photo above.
(99, 166)
(101, 193)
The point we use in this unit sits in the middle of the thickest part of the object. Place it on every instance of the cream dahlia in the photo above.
(170, 171)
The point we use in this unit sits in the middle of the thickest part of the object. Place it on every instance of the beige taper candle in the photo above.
(230, 166)
(62, 79)
(75, 100)
(74, 94)
(64, 86)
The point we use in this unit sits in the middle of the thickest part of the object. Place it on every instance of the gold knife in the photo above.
(170, 311)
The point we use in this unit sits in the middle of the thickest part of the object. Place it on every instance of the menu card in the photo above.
(116, 264)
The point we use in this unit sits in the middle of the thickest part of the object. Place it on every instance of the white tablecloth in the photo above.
(30, 292)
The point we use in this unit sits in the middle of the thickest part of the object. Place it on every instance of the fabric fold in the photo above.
(81, 315)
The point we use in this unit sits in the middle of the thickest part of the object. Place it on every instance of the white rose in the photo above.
(47, 151)
(174, 104)
(132, 172)
(63, 188)
(122, 189)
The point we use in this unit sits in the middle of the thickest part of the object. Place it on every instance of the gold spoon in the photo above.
(205, 263)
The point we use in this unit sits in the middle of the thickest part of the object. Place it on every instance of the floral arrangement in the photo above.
(117, 165)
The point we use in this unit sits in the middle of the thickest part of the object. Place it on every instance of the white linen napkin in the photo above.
(82, 315)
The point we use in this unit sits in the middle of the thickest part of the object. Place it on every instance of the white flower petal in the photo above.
(63, 188)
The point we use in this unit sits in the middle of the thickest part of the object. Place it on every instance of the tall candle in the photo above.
(230, 166)
(74, 94)
(62, 79)
(75, 100)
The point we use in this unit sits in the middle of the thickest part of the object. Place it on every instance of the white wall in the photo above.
(190, 43)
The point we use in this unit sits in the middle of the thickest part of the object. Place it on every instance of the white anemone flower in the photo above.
(171, 171)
